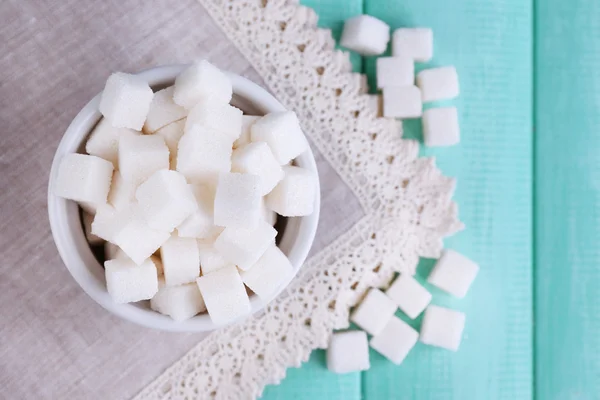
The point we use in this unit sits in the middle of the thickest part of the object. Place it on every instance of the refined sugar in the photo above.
(268, 215)
(83, 178)
(180, 302)
(243, 247)
(87, 227)
(159, 268)
(172, 133)
(409, 295)
(200, 224)
(141, 156)
(442, 327)
(122, 193)
(181, 260)
(126, 100)
(395, 340)
(237, 200)
(127, 281)
(375, 311)
(395, 71)
(268, 273)
(163, 111)
(245, 138)
(453, 273)
(295, 195)
(402, 102)
(365, 35)
(202, 153)
(257, 159)
(112, 251)
(415, 43)
(224, 295)
(222, 118)
(440, 127)
(438, 83)
(104, 224)
(166, 200)
(375, 104)
(202, 81)
(104, 141)
(348, 352)
(210, 259)
(282, 132)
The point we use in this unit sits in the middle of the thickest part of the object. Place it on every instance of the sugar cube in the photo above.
(105, 224)
(112, 251)
(295, 195)
(127, 281)
(442, 327)
(440, 127)
(395, 71)
(268, 215)
(282, 132)
(438, 83)
(180, 302)
(409, 295)
(202, 81)
(245, 138)
(257, 159)
(453, 273)
(268, 273)
(104, 141)
(221, 118)
(375, 311)
(125, 101)
(365, 35)
(83, 178)
(415, 43)
(243, 247)
(375, 104)
(402, 102)
(210, 259)
(237, 200)
(348, 352)
(224, 295)
(395, 340)
(181, 260)
(122, 193)
(200, 224)
(87, 227)
(172, 133)
(163, 111)
(89, 208)
(159, 268)
(141, 156)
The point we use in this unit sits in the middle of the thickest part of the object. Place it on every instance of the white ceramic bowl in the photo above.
(75, 251)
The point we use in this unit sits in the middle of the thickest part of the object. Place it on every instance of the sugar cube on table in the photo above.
(202, 81)
(222, 118)
(163, 111)
(409, 295)
(440, 127)
(282, 132)
(125, 101)
(442, 327)
(237, 200)
(87, 227)
(257, 159)
(83, 178)
(295, 195)
(200, 224)
(374, 312)
(180, 302)
(104, 141)
(402, 102)
(415, 43)
(245, 138)
(268, 215)
(348, 352)
(210, 259)
(395, 71)
(395, 340)
(181, 260)
(453, 273)
(172, 133)
(141, 156)
(122, 193)
(365, 35)
(268, 273)
(127, 281)
(224, 295)
(438, 83)
(243, 247)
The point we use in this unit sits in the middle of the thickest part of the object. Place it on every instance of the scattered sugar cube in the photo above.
(374, 312)
(268, 215)
(453, 273)
(181, 260)
(237, 200)
(243, 247)
(127, 281)
(245, 138)
(141, 156)
(409, 295)
(268, 273)
(112, 251)
(295, 195)
(365, 35)
(83, 178)
(283, 134)
(224, 295)
(348, 352)
(442, 327)
(402, 102)
(395, 71)
(210, 259)
(87, 227)
(125, 101)
(202, 153)
(438, 84)
(172, 133)
(257, 159)
(104, 141)
(440, 127)
(163, 111)
(395, 340)
(200, 224)
(202, 81)
(222, 118)
(122, 193)
(180, 302)
(415, 43)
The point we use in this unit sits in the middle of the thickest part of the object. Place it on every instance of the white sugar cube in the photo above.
(268, 273)
(166, 200)
(440, 127)
(181, 260)
(200, 224)
(438, 83)
(202, 81)
(126, 100)
(453, 273)
(243, 247)
(104, 141)
(105, 224)
(127, 282)
(141, 156)
(375, 311)
(348, 352)
(409, 295)
(83, 178)
(210, 259)
(180, 302)
(202, 153)
(87, 228)
(415, 43)
(245, 137)
(282, 132)
(395, 340)
(402, 102)
(365, 35)
(222, 118)
(375, 103)
(172, 133)
(395, 71)
(257, 159)
(268, 215)
(237, 200)
(295, 195)
(442, 327)
(122, 193)
(224, 295)
(159, 267)
(112, 251)
(163, 111)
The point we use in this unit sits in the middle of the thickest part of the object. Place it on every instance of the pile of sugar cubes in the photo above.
(184, 189)
(401, 98)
